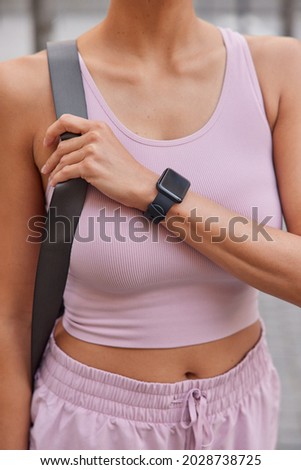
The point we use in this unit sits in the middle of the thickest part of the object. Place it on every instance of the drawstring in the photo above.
(196, 401)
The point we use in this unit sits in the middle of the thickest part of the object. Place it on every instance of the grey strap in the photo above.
(66, 205)
(66, 79)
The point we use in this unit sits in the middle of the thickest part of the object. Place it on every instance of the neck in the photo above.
(150, 27)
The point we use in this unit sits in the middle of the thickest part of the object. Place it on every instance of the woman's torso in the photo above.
(173, 364)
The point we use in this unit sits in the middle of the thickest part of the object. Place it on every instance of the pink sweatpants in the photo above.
(79, 407)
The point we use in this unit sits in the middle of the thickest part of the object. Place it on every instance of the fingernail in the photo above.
(44, 169)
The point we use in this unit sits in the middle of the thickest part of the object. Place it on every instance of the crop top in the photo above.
(131, 286)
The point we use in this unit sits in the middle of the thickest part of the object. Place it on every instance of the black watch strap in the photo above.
(158, 209)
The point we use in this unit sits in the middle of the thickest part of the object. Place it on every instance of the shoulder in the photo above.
(277, 61)
(276, 54)
(24, 90)
(23, 77)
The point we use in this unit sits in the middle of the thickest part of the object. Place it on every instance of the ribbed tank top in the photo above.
(149, 292)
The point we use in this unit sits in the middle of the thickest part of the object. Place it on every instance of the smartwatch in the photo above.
(172, 188)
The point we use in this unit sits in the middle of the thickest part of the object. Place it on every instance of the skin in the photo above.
(148, 44)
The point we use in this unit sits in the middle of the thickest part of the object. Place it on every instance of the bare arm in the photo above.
(21, 197)
(274, 266)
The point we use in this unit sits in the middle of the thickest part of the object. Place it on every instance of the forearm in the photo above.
(15, 397)
(272, 263)
(15, 386)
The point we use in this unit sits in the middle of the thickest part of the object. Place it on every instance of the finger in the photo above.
(70, 159)
(66, 173)
(64, 148)
(66, 123)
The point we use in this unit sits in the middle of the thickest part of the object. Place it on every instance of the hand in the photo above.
(98, 157)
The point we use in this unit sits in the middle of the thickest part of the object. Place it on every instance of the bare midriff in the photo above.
(163, 365)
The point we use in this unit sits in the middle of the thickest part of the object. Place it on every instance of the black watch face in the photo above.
(173, 185)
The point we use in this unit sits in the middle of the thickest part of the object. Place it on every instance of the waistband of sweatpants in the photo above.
(120, 396)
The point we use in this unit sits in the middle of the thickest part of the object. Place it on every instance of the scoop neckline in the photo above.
(160, 142)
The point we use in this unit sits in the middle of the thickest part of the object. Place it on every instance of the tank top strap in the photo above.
(241, 65)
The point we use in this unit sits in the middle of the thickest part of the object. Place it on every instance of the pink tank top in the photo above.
(139, 290)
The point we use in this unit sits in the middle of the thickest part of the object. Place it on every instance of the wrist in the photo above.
(147, 190)
(171, 189)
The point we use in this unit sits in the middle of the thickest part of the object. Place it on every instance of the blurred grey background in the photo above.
(26, 25)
